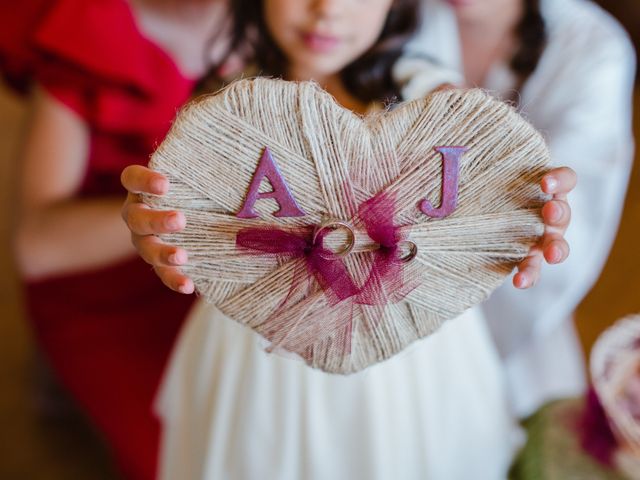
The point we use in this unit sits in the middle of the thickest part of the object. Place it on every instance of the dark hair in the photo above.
(532, 36)
(368, 78)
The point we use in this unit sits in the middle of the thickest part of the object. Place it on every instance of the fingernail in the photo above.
(551, 184)
(184, 288)
(178, 258)
(173, 221)
(158, 186)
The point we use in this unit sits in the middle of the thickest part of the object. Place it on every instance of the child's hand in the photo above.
(145, 224)
(556, 214)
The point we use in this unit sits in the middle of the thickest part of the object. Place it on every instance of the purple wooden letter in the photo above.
(450, 172)
(280, 190)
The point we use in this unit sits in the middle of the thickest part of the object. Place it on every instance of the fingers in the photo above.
(556, 214)
(555, 248)
(155, 252)
(175, 280)
(529, 270)
(143, 220)
(559, 181)
(145, 223)
(139, 179)
(165, 260)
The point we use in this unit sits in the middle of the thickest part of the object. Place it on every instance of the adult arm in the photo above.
(57, 232)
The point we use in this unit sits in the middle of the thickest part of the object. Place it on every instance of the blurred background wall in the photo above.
(39, 440)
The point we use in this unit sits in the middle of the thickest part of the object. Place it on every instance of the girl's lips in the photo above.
(319, 43)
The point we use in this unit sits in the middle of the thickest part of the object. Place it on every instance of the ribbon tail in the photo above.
(278, 327)
(293, 329)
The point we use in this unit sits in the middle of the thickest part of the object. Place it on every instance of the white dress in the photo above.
(580, 98)
(232, 411)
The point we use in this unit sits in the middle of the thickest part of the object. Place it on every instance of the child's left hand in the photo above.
(556, 214)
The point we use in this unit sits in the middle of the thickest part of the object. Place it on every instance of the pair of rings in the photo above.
(409, 247)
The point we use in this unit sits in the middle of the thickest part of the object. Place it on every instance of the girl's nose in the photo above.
(328, 8)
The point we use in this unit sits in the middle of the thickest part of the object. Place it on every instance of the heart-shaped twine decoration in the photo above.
(435, 202)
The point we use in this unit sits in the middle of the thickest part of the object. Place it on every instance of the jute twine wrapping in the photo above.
(333, 160)
(615, 362)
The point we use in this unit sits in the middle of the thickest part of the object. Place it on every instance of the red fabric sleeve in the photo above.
(92, 57)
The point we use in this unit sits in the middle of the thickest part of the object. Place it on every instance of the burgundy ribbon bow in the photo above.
(386, 283)
(320, 263)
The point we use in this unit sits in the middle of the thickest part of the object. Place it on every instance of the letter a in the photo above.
(450, 172)
(280, 191)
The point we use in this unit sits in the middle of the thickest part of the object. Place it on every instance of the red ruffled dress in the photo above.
(107, 333)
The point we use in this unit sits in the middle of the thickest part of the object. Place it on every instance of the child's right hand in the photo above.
(145, 224)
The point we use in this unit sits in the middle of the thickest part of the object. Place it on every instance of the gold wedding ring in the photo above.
(336, 225)
(411, 254)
